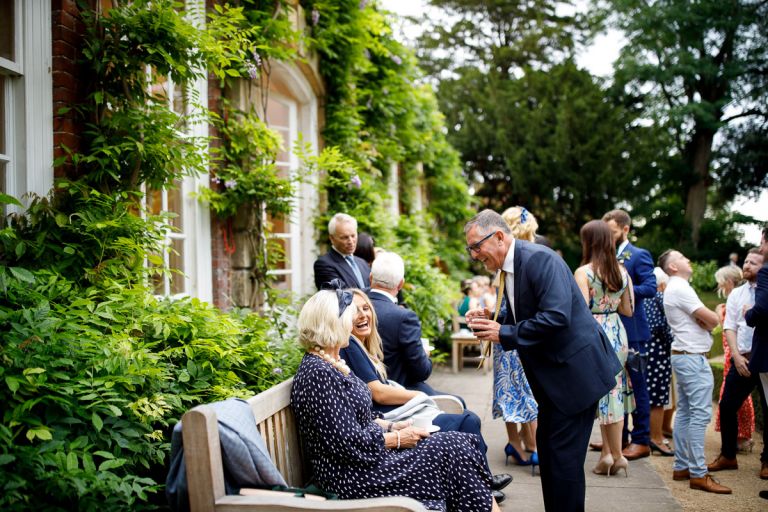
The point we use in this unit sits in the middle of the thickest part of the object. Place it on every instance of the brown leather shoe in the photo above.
(709, 484)
(681, 474)
(764, 471)
(721, 463)
(636, 451)
(596, 446)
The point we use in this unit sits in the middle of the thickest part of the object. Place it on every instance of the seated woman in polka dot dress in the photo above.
(354, 453)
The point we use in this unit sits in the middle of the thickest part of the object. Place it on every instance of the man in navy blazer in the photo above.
(400, 329)
(567, 358)
(757, 317)
(639, 265)
(340, 261)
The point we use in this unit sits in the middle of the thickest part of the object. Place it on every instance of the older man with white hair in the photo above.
(340, 262)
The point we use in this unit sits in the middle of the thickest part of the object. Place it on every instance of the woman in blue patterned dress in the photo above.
(512, 396)
(356, 454)
(607, 288)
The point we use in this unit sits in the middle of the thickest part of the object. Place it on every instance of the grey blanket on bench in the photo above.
(244, 455)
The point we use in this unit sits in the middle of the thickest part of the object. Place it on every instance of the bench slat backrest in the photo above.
(275, 420)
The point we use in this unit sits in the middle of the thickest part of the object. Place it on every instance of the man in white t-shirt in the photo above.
(691, 322)
(739, 382)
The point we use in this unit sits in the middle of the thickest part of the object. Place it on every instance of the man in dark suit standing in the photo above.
(757, 317)
(340, 261)
(567, 358)
(639, 265)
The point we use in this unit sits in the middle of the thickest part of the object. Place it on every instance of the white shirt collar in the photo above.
(338, 251)
(386, 294)
(621, 248)
(509, 261)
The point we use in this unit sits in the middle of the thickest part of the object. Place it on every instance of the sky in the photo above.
(598, 59)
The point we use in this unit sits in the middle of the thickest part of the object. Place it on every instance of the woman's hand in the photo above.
(400, 425)
(410, 436)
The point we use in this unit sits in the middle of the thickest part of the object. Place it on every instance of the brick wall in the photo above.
(67, 34)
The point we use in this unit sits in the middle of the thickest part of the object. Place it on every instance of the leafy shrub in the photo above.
(703, 278)
(94, 379)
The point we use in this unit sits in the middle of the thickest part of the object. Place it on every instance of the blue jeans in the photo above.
(694, 411)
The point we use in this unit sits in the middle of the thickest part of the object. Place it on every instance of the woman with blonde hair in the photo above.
(512, 396)
(728, 278)
(356, 454)
(365, 356)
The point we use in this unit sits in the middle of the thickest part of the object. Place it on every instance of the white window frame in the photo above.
(28, 95)
(195, 217)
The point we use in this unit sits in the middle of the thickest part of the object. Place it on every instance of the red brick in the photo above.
(64, 49)
(64, 95)
(64, 79)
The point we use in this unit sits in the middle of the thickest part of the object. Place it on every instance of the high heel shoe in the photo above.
(618, 465)
(604, 466)
(664, 452)
(510, 451)
(746, 445)
(533, 460)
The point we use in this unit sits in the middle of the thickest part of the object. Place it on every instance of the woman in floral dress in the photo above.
(607, 288)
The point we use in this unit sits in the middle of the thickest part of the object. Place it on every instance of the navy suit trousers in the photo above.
(641, 417)
(736, 390)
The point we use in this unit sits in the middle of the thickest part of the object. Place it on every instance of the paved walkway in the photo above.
(644, 490)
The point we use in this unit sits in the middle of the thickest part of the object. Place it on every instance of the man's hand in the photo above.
(741, 364)
(476, 313)
(486, 330)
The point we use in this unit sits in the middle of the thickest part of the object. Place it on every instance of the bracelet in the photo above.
(398, 439)
(389, 427)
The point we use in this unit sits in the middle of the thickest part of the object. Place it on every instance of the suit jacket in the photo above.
(565, 353)
(757, 317)
(639, 265)
(333, 265)
(400, 331)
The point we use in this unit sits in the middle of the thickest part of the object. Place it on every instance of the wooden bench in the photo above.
(274, 418)
(461, 339)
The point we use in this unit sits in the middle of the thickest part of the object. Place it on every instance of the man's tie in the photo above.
(351, 261)
(499, 295)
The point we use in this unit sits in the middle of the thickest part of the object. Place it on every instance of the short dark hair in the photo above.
(663, 260)
(765, 232)
(620, 217)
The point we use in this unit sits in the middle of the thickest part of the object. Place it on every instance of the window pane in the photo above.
(176, 261)
(154, 201)
(7, 32)
(283, 156)
(176, 205)
(277, 113)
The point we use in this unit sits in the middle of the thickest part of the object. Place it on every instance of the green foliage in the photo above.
(246, 172)
(131, 135)
(95, 378)
(703, 278)
(694, 68)
(84, 234)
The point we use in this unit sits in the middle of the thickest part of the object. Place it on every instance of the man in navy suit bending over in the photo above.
(639, 265)
(340, 262)
(567, 358)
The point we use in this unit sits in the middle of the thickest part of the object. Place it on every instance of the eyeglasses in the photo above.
(476, 246)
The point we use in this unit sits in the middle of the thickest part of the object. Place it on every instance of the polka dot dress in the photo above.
(445, 471)
(659, 366)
